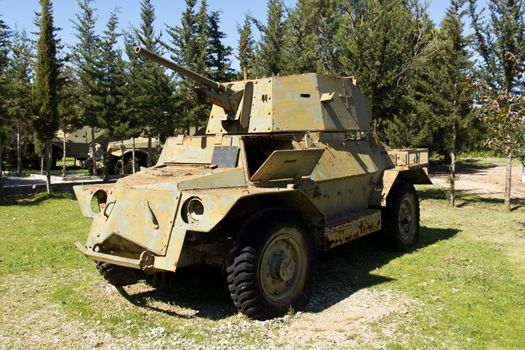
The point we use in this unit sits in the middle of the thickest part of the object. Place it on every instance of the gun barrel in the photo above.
(211, 84)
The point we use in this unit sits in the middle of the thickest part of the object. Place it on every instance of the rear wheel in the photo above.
(401, 216)
(272, 265)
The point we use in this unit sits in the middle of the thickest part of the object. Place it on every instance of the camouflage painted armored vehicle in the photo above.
(288, 166)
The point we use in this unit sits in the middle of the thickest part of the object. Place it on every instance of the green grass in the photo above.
(58, 171)
(466, 279)
(38, 234)
(472, 285)
(71, 168)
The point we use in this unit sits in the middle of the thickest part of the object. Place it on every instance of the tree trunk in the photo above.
(508, 181)
(64, 155)
(133, 154)
(148, 163)
(18, 153)
(452, 178)
(49, 150)
(42, 155)
(1, 168)
(105, 156)
(244, 73)
(122, 171)
(158, 145)
(93, 152)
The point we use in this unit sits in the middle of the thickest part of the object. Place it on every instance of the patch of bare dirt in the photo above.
(350, 323)
(29, 321)
(486, 182)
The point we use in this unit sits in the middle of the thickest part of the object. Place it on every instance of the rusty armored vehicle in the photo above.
(288, 166)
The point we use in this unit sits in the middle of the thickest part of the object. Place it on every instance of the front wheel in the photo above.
(401, 216)
(118, 275)
(272, 265)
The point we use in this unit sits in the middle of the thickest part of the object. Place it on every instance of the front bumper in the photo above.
(145, 261)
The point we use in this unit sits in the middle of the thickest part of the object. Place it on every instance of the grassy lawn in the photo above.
(464, 285)
(58, 171)
(71, 168)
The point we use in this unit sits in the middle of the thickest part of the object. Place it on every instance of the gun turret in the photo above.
(210, 90)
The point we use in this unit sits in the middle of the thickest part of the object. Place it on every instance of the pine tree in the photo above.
(189, 46)
(20, 102)
(310, 37)
(46, 121)
(219, 54)
(202, 39)
(86, 57)
(112, 84)
(382, 43)
(150, 87)
(500, 43)
(182, 37)
(69, 109)
(246, 48)
(302, 39)
(270, 57)
(4, 51)
(129, 126)
(456, 82)
(499, 40)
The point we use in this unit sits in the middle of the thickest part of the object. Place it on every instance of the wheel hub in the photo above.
(287, 269)
(405, 218)
(282, 266)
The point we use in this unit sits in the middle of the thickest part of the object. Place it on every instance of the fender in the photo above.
(416, 176)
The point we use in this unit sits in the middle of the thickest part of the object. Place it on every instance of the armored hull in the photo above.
(288, 167)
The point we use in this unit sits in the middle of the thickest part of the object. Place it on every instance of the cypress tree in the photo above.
(246, 48)
(4, 51)
(46, 121)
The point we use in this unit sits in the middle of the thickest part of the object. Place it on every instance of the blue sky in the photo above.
(20, 13)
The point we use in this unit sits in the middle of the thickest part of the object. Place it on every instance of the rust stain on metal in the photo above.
(352, 228)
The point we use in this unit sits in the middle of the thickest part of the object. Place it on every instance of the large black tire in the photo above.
(118, 275)
(401, 216)
(273, 264)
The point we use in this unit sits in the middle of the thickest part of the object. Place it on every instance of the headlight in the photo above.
(192, 210)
